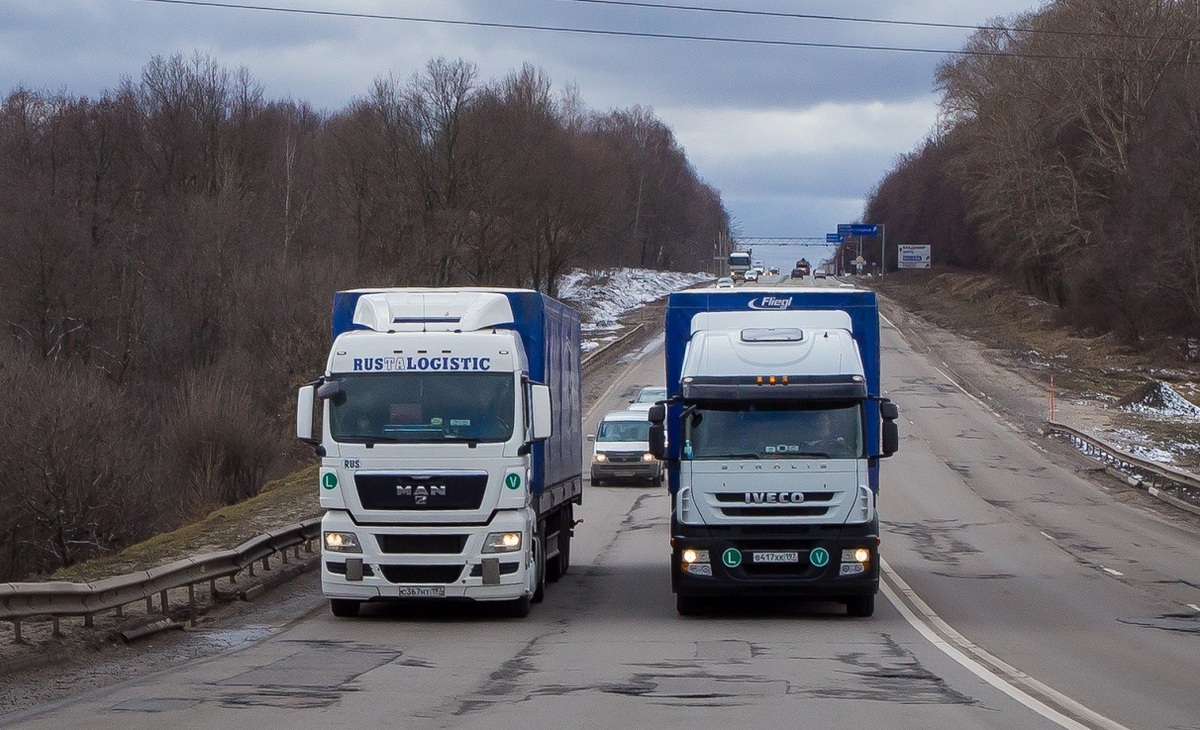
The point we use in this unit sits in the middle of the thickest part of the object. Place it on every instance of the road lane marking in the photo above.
(1110, 571)
(1194, 607)
(991, 669)
(1049, 537)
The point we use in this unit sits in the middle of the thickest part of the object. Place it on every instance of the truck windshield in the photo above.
(419, 407)
(769, 431)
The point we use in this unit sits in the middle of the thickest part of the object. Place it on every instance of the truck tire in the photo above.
(539, 561)
(860, 606)
(688, 605)
(516, 609)
(343, 607)
(556, 567)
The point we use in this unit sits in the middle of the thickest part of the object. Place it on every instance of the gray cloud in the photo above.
(793, 138)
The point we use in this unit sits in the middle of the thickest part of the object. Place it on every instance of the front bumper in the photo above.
(449, 564)
(627, 470)
(734, 570)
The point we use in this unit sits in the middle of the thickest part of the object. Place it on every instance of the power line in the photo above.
(619, 33)
(875, 21)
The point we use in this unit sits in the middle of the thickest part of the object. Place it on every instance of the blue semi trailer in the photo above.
(772, 434)
(450, 443)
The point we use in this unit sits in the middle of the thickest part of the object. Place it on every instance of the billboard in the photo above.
(914, 257)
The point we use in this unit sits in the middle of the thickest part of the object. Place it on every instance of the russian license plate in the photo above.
(422, 591)
(790, 556)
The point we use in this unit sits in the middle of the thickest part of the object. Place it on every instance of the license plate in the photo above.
(777, 557)
(422, 591)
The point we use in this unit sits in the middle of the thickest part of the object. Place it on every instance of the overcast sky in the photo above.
(794, 138)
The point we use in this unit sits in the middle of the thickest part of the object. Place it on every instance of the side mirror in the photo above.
(591, 437)
(658, 441)
(891, 432)
(657, 414)
(305, 400)
(543, 424)
(328, 389)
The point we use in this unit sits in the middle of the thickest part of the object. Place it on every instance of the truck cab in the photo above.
(776, 413)
(436, 472)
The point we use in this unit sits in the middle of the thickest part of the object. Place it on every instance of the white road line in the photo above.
(990, 669)
(1051, 538)
(1110, 571)
(1194, 607)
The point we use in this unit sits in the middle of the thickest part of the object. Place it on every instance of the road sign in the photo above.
(843, 229)
(834, 238)
(864, 229)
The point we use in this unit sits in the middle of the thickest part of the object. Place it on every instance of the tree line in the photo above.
(1068, 158)
(168, 253)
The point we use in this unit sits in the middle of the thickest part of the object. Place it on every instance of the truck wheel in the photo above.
(539, 561)
(688, 605)
(557, 566)
(860, 606)
(515, 609)
(343, 607)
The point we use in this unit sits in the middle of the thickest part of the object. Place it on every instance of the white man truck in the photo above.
(773, 428)
(450, 443)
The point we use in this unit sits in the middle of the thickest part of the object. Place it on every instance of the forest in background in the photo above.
(1068, 160)
(169, 250)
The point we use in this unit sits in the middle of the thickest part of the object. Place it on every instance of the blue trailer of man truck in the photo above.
(772, 434)
(450, 443)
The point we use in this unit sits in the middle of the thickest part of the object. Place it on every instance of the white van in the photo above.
(621, 449)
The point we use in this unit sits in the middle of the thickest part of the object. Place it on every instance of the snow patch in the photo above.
(1159, 400)
(603, 296)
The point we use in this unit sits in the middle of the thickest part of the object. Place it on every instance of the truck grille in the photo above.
(463, 490)
(422, 544)
(443, 574)
(815, 504)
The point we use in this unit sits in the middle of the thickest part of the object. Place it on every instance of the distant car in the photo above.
(798, 273)
(621, 449)
(752, 275)
(819, 274)
(725, 282)
(774, 270)
(647, 396)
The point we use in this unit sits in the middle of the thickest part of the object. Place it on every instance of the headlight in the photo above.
(695, 556)
(856, 555)
(600, 457)
(647, 457)
(342, 542)
(502, 542)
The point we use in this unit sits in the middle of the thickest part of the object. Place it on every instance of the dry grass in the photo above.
(282, 502)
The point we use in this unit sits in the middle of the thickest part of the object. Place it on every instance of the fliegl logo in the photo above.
(771, 302)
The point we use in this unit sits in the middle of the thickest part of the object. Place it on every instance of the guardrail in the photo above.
(1139, 472)
(59, 599)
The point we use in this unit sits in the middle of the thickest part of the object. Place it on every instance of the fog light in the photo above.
(647, 457)
(689, 556)
(342, 542)
(601, 458)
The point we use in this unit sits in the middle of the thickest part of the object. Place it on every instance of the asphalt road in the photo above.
(1020, 595)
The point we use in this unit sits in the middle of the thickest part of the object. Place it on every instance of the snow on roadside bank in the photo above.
(603, 296)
